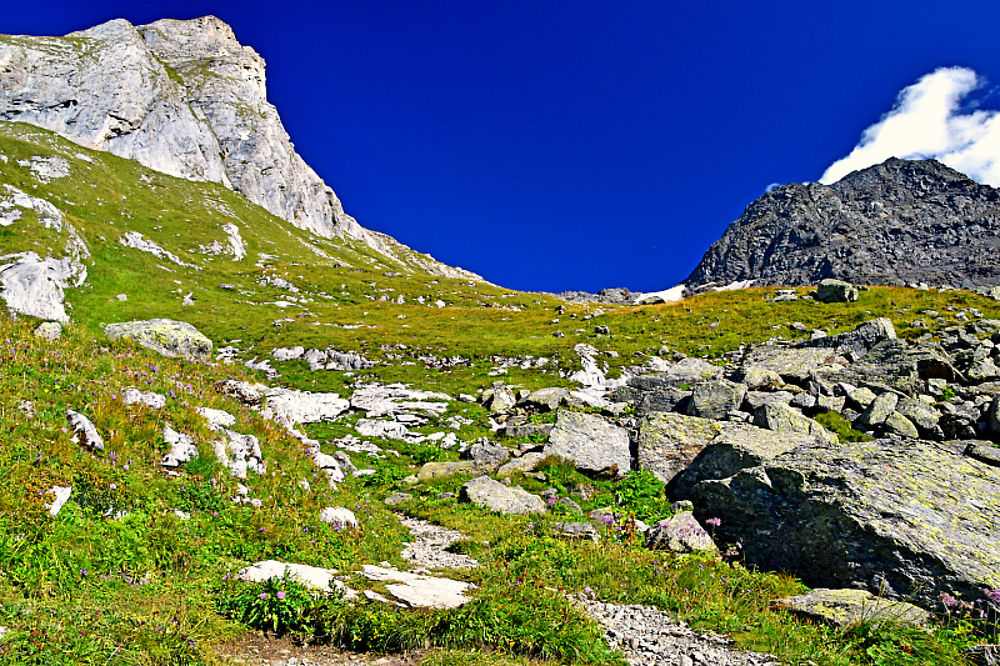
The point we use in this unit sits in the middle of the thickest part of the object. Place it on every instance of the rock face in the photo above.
(165, 336)
(182, 97)
(895, 223)
(903, 517)
(592, 444)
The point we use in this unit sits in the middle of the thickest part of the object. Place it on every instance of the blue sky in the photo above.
(580, 145)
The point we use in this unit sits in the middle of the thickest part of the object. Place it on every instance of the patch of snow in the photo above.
(739, 284)
(666, 296)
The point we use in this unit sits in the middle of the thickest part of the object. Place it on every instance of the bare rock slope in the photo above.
(896, 223)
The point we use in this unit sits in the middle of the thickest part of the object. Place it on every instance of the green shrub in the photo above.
(279, 605)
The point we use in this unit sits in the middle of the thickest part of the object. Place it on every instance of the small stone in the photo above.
(49, 330)
(339, 516)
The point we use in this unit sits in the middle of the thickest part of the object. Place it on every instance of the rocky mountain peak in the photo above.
(184, 98)
(896, 223)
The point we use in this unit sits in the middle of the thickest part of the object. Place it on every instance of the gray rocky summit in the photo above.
(896, 223)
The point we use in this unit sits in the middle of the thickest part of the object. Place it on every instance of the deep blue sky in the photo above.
(573, 144)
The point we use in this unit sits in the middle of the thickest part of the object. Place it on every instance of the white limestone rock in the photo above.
(182, 448)
(84, 432)
(61, 496)
(338, 515)
(131, 396)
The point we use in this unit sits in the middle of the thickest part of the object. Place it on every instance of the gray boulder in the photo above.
(668, 443)
(782, 418)
(835, 291)
(164, 336)
(715, 399)
(495, 496)
(547, 399)
(529, 462)
(900, 517)
(487, 453)
(680, 533)
(878, 411)
(859, 341)
(794, 364)
(182, 448)
(842, 608)
(49, 330)
(736, 448)
(591, 443)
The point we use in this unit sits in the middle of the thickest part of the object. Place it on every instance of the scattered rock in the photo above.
(339, 516)
(782, 418)
(164, 336)
(575, 530)
(529, 462)
(589, 442)
(493, 495)
(182, 448)
(668, 442)
(844, 607)
(715, 399)
(49, 330)
(85, 434)
(397, 498)
(131, 396)
(835, 291)
(429, 548)
(680, 533)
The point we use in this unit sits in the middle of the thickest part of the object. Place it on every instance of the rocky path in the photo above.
(429, 548)
(650, 637)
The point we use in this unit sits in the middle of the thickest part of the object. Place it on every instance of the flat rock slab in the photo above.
(164, 336)
(842, 608)
(900, 517)
(493, 495)
(794, 364)
(315, 578)
(591, 443)
(419, 590)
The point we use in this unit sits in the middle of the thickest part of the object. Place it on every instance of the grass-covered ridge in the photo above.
(119, 577)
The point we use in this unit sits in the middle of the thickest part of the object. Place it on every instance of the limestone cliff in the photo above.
(182, 97)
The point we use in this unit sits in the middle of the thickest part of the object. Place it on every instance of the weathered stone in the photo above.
(668, 443)
(714, 399)
(49, 330)
(397, 498)
(858, 342)
(983, 452)
(131, 396)
(755, 399)
(529, 462)
(591, 443)
(546, 399)
(84, 431)
(527, 430)
(905, 517)
(862, 397)
(340, 516)
(312, 577)
(387, 400)
(736, 448)
(687, 371)
(782, 418)
(575, 531)
(794, 364)
(437, 470)
(499, 399)
(680, 533)
(493, 495)
(182, 448)
(60, 495)
(982, 370)
(34, 286)
(164, 336)
(899, 365)
(898, 424)
(488, 454)
(419, 590)
(835, 291)
(846, 607)
(878, 411)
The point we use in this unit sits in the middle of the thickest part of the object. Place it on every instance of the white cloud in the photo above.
(926, 122)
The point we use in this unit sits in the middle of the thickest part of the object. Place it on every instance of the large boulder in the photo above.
(835, 291)
(164, 336)
(591, 443)
(715, 399)
(859, 341)
(898, 517)
(794, 364)
(784, 419)
(842, 608)
(493, 495)
(736, 448)
(668, 443)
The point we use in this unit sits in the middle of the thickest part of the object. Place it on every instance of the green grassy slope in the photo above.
(150, 588)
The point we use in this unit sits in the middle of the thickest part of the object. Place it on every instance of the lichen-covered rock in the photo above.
(437, 470)
(897, 424)
(794, 364)
(859, 341)
(493, 495)
(591, 443)
(715, 399)
(904, 517)
(668, 443)
(879, 410)
(164, 336)
(782, 418)
(835, 291)
(529, 462)
(844, 607)
(736, 448)
(681, 533)
(547, 399)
